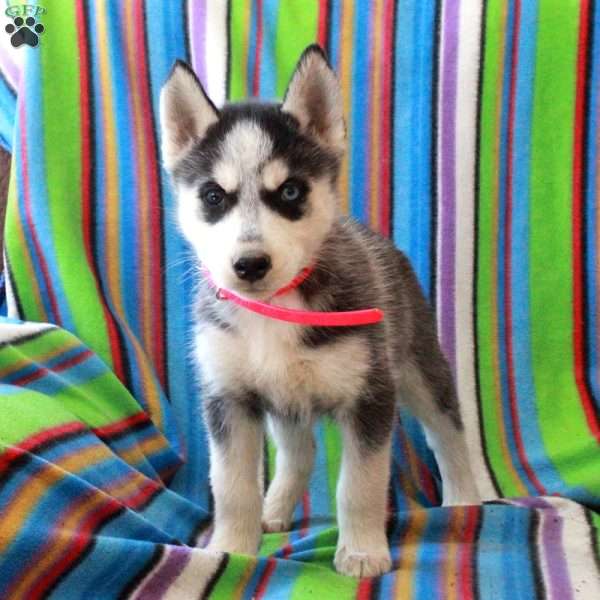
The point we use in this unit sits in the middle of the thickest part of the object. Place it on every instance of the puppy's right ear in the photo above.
(186, 112)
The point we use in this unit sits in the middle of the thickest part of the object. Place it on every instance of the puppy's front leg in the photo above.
(362, 549)
(236, 440)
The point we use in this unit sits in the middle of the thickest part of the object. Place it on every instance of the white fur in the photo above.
(291, 245)
(274, 173)
(185, 115)
(267, 356)
(294, 463)
(362, 549)
(314, 97)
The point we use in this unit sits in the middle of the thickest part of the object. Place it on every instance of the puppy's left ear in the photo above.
(186, 112)
(314, 98)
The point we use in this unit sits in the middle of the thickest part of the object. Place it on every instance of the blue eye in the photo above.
(213, 196)
(290, 191)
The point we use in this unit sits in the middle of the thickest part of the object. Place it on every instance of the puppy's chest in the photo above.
(271, 359)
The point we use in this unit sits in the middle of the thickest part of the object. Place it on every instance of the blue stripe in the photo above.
(592, 208)
(268, 65)
(501, 236)
(413, 78)
(358, 121)
(165, 29)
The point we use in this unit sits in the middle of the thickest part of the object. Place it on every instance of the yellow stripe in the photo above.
(141, 177)
(58, 542)
(40, 358)
(112, 217)
(241, 586)
(410, 545)
(63, 537)
(143, 449)
(246, 47)
(13, 516)
(452, 555)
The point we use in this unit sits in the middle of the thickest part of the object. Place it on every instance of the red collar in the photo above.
(366, 316)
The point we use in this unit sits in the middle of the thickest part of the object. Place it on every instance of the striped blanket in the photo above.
(474, 143)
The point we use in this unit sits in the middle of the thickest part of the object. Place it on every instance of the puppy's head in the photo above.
(255, 181)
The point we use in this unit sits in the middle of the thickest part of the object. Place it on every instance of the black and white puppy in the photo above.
(257, 201)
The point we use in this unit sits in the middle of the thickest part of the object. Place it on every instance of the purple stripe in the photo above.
(157, 584)
(552, 547)
(197, 34)
(447, 163)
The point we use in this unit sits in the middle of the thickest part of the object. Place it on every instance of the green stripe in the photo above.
(493, 424)
(319, 579)
(234, 573)
(333, 453)
(17, 252)
(62, 144)
(562, 420)
(29, 412)
(297, 26)
(238, 37)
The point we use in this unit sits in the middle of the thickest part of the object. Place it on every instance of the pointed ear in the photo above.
(314, 98)
(186, 112)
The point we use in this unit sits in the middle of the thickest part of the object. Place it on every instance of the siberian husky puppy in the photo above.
(258, 202)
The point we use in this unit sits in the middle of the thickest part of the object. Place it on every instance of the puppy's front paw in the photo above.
(277, 513)
(362, 562)
(274, 525)
(234, 542)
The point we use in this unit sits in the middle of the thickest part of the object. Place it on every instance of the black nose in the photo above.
(252, 268)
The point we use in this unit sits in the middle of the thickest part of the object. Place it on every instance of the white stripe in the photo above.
(216, 50)
(576, 548)
(195, 576)
(466, 127)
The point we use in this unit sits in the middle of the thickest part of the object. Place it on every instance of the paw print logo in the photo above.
(24, 31)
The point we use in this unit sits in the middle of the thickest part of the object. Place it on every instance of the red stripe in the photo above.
(261, 588)
(578, 224)
(305, 514)
(62, 366)
(86, 186)
(122, 425)
(323, 22)
(512, 395)
(427, 482)
(258, 52)
(466, 579)
(364, 589)
(81, 541)
(82, 537)
(39, 255)
(31, 443)
(386, 118)
(264, 580)
(152, 174)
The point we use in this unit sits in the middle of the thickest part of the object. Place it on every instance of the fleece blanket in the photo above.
(474, 143)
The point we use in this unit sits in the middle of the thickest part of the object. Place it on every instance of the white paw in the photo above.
(238, 544)
(460, 498)
(274, 526)
(277, 516)
(358, 562)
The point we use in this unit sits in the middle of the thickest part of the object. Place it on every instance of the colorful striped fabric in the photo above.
(474, 143)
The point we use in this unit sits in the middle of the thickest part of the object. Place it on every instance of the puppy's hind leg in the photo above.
(294, 463)
(430, 395)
